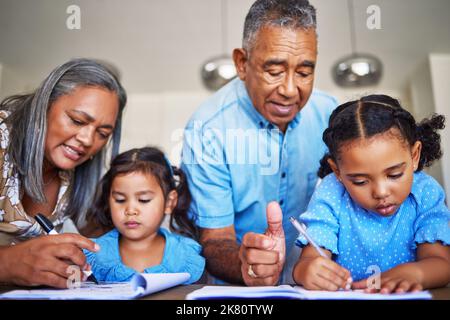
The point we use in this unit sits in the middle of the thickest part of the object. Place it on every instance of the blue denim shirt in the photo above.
(237, 162)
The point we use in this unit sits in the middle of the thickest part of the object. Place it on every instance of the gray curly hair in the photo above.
(295, 14)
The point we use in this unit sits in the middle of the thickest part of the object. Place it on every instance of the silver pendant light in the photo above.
(219, 70)
(357, 69)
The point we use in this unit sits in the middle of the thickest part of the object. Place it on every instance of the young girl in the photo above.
(133, 197)
(375, 210)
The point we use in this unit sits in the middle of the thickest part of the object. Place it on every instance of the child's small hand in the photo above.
(395, 285)
(319, 273)
(396, 280)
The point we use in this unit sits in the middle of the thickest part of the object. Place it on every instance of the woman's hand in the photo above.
(45, 260)
(315, 272)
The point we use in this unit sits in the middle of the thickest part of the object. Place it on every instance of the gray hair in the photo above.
(295, 14)
(28, 125)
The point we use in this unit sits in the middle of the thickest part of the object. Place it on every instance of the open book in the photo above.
(289, 292)
(140, 285)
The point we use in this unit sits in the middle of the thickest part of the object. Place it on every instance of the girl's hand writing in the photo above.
(315, 272)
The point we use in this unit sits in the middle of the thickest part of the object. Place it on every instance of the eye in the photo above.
(274, 73)
(304, 74)
(359, 182)
(103, 135)
(119, 200)
(145, 200)
(395, 176)
(77, 122)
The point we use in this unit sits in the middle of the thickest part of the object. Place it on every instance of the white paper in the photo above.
(140, 285)
(288, 292)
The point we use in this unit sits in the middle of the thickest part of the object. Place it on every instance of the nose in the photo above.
(130, 211)
(86, 136)
(380, 191)
(288, 87)
(131, 208)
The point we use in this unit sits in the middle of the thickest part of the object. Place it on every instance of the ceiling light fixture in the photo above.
(219, 70)
(356, 70)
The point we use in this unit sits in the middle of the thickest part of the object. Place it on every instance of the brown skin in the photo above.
(84, 121)
(315, 272)
(430, 270)
(379, 183)
(44, 260)
(138, 207)
(278, 73)
(264, 252)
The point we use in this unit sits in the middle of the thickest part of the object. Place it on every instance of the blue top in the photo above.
(181, 254)
(237, 162)
(360, 239)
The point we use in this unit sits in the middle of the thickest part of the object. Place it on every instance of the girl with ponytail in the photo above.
(376, 210)
(133, 197)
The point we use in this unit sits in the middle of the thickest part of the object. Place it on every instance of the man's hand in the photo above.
(44, 260)
(262, 255)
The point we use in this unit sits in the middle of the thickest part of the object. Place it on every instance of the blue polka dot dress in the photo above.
(363, 241)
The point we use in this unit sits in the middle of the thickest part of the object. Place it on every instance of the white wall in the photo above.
(158, 119)
(440, 80)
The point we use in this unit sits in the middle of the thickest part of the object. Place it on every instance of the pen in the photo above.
(300, 228)
(48, 227)
(302, 231)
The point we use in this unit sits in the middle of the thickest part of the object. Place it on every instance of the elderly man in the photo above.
(252, 150)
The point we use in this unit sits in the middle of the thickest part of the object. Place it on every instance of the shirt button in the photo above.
(283, 175)
(281, 202)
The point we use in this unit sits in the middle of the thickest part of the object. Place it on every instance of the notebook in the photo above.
(289, 292)
(140, 285)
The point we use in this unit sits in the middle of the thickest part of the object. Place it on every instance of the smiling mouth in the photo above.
(71, 153)
(282, 109)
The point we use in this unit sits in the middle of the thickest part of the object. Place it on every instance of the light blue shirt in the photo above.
(181, 254)
(363, 241)
(237, 162)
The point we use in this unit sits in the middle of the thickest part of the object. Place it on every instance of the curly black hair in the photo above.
(375, 114)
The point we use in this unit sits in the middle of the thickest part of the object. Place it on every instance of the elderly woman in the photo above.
(52, 150)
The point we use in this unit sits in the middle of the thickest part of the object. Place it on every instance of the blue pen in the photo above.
(48, 227)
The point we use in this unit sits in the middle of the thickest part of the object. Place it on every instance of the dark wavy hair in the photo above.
(375, 114)
(147, 160)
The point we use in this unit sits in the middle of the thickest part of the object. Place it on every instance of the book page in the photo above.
(87, 291)
(241, 292)
(289, 292)
(359, 295)
(140, 285)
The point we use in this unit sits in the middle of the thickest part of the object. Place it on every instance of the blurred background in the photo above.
(160, 46)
